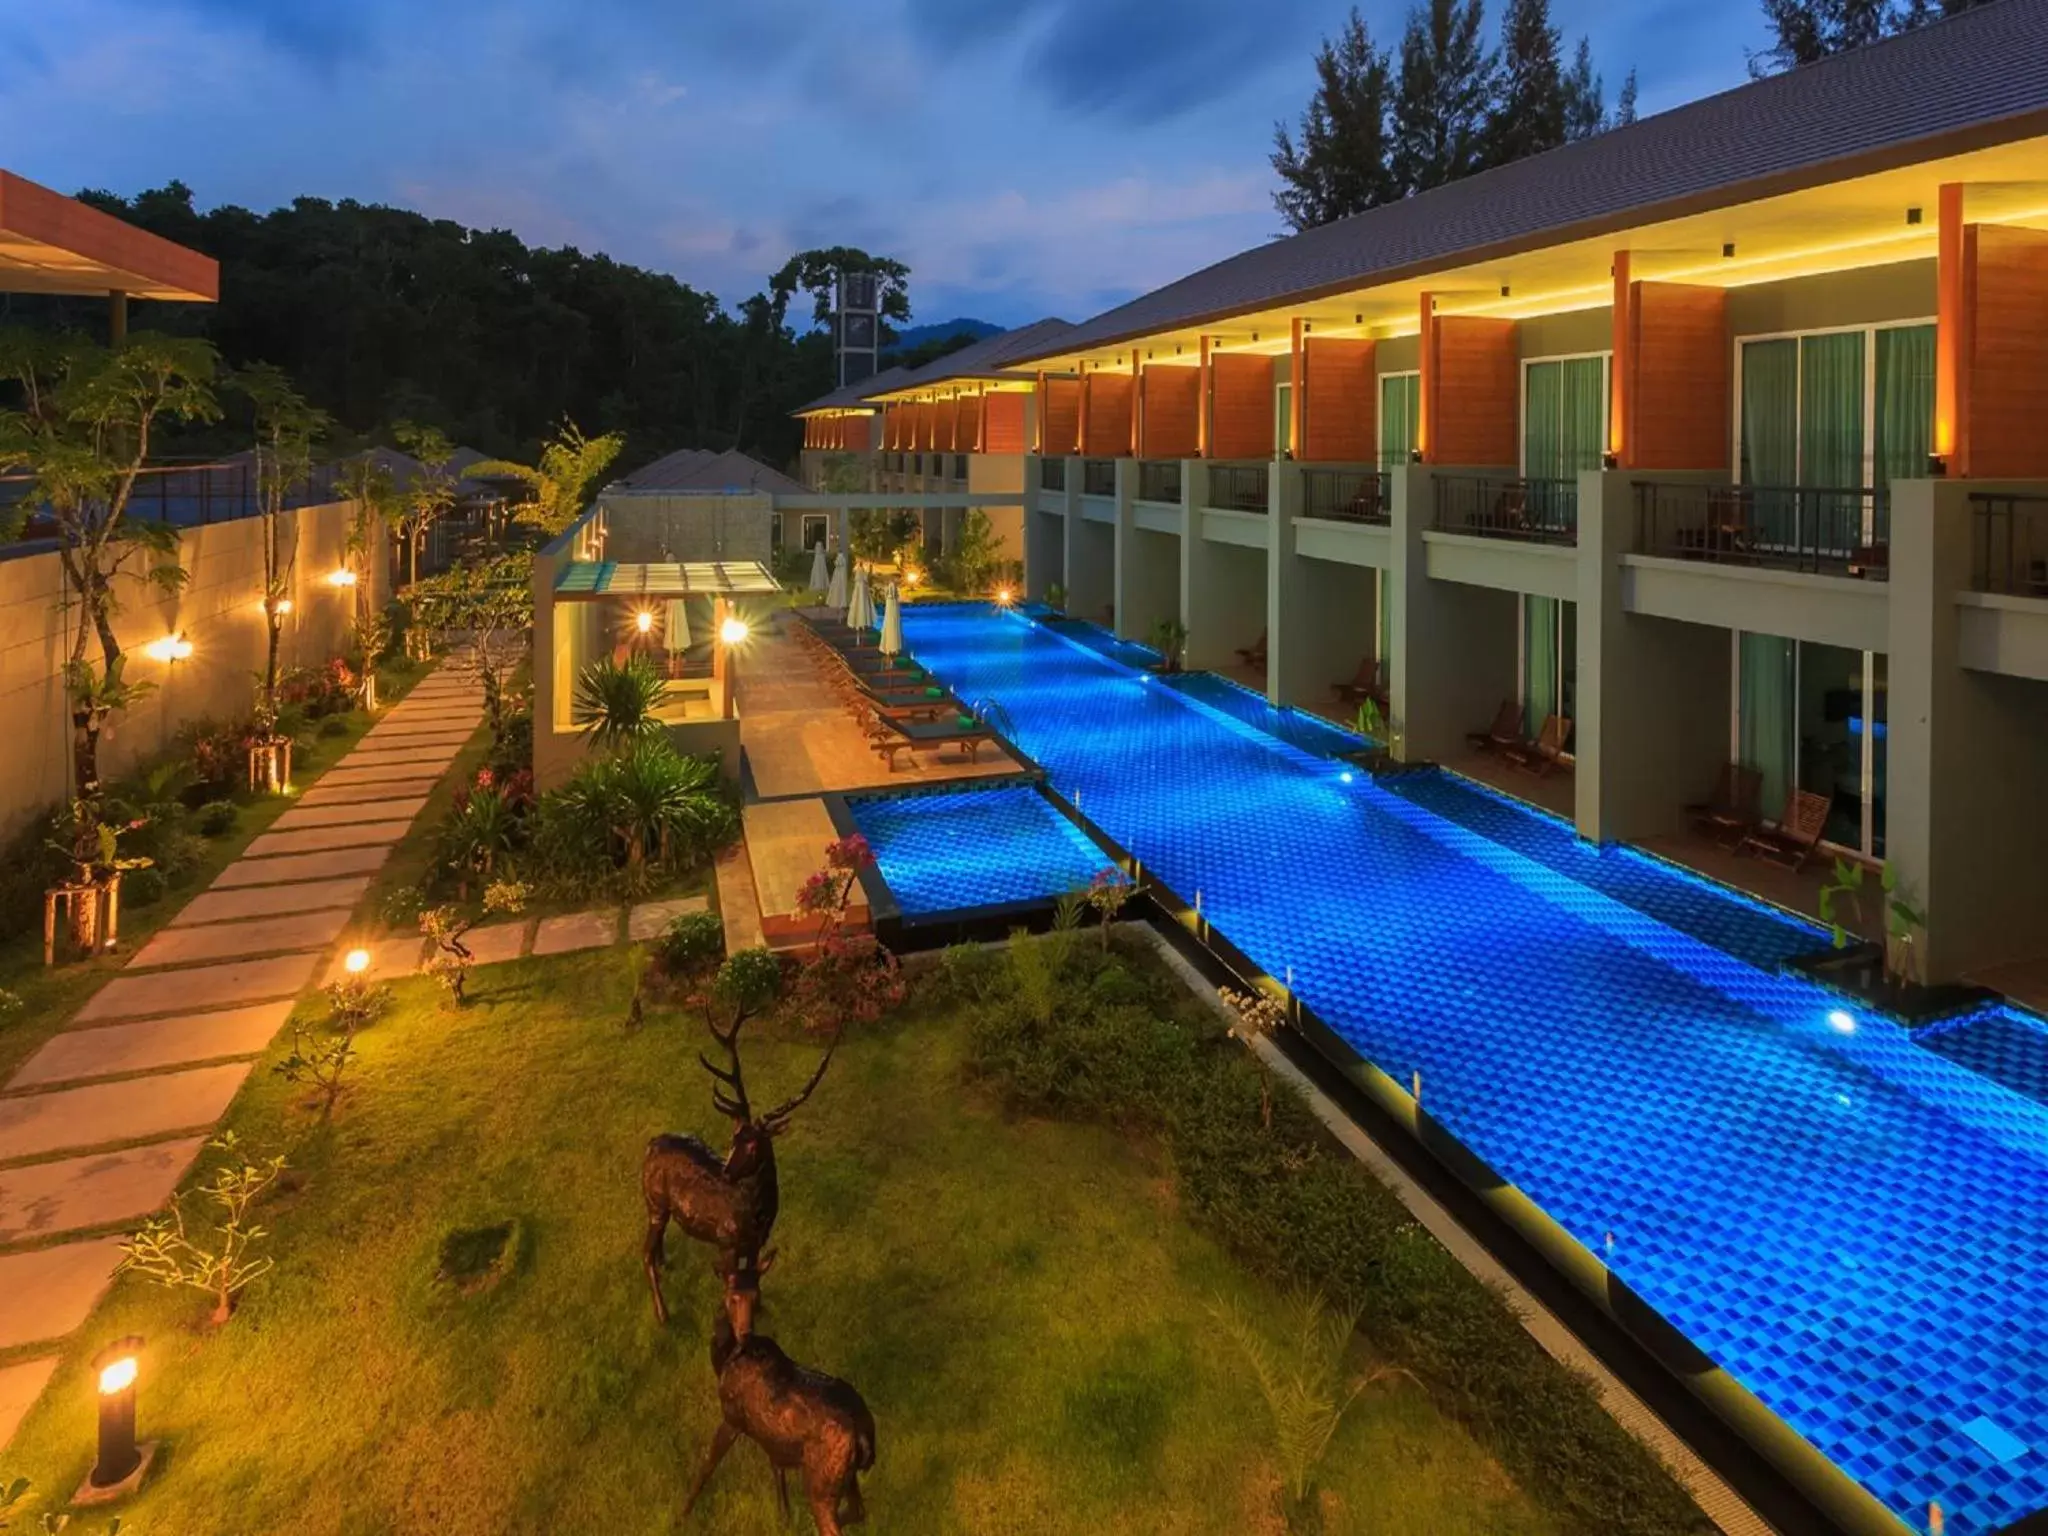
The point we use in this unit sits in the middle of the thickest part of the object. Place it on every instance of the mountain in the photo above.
(913, 337)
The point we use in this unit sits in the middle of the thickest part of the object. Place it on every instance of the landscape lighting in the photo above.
(356, 962)
(173, 647)
(119, 1457)
(734, 631)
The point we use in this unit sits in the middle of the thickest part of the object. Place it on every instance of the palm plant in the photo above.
(619, 703)
(558, 485)
(647, 802)
(474, 837)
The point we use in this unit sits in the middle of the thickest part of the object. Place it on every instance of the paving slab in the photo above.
(97, 1190)
(50, 1291)
(368, 756)
(266, 901)
(389, 959)
(576, 930)
(226, 984)
(424, 727)
(497, 943)
(240, 941)
(20, 1385)
(362, 834)
(385, 773)
(109, 1050)
(302, 817)
(37, 1124)
(363, 794)
(301, 866)
(647, 920)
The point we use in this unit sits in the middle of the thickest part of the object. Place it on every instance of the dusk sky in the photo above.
(1026, 157)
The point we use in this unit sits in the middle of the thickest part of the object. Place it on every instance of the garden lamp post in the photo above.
(121, 1462)
(732, 634)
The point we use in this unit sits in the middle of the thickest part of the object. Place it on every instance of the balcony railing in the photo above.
(1346, 495)
(959, 466)
(1531, 511)
(1052, 474)
(1159, 480)
(2010, 544)
(1825, 530)
(1098, 477)
(1238, 487)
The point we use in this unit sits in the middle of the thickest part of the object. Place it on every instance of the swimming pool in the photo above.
(941, 853)
(1853, 1225)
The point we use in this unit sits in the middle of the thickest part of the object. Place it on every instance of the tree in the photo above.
(1442, 96)
(1625, 103)
(1340, 164)
(818, 272)
(490, 602)
(286, 428)
(977, 558)
(1806, 31)
(365, 480)
(879, 534)
(558, 486)
(1585, 111)
(84, 428)
(1530, 113)
(429, 495)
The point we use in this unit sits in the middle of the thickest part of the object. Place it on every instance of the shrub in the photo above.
(481, 828)
(620, 818)
(217, 818)
(692, 944)
(618, 703)
(143, 887)
(333, 725)
(223, 1262)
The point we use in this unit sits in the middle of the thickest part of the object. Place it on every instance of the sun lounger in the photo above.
(1505, 732)
(1364, 684)
(1254, 655)
(1729, 814)
(1546, 753)
(891, 738)
(1792, 841)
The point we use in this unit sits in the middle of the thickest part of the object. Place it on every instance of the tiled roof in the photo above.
(851, 397)
(1980, 77)
(988, 358)
(697, 469)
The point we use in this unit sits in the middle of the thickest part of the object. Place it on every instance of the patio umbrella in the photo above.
(892, 623)
(675, 632)
(860, 613)
(835, 591)
(819, 579)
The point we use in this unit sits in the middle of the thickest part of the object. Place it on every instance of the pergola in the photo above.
(50, 243)
(640, 585)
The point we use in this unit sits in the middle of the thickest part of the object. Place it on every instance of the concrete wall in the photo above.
(1865, 296)
(1566, 335)
(1454, 645)
(219, 612)
(688, 526)
(994, 473)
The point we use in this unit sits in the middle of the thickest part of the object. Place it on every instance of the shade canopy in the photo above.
(892, 623)
(860, 612)
(675, 633)
(835, 592)
(820, 577)
(695, 578)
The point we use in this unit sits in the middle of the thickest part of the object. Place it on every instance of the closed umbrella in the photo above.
(819, 579)
(835, 591)
(892, 623)
(860, 613)
(675, 632)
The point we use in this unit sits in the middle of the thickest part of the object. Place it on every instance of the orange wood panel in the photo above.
(1003, 428)
(1621, 367)
(927, 425)
(1337, 399)
(1951, 328)
(1240, 406)
(1431, 368)
(1170, 422)
(1297, 394)
(98, 251)
(946, 424)
(1060, 418)
(1476, 420)
(1106, 415)
(1677, 364)
(1203, 413)
(967, 424)
(2004, 393)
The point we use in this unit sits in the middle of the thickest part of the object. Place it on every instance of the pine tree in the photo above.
(1585, 108)
(1805, 31)
(1339, 166)
(1442, 98)
(1533, 111)
(1625, 103)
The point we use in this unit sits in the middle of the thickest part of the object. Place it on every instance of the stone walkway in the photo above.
(99, 1126)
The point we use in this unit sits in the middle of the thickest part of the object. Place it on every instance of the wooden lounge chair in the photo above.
(1545, 754)
(1729, 814)
(1254, 655)
(1792, 841)
(890, 738)
(1505, 732)
(917, 704)
(1364, 684)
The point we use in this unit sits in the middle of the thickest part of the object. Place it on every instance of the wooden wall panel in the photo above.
(967, 424)
(1240, 406)
(1676, 377)
(1474, 413)
(927, 426)
(1107, 419)
(1003, 424)
(1338, 400)
(1169, 415)
(1060, 413)
(2004, 382)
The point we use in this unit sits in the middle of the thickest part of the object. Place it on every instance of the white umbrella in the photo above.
(819, 580)
(892, 623)
(675, 633)
(835, 591)
(860, 613)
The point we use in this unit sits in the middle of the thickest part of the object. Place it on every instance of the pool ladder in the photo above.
(990, 712)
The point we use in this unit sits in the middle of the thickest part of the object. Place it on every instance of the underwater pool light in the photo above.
(1842, 1021)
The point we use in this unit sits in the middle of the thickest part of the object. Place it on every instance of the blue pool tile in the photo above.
(983, 847)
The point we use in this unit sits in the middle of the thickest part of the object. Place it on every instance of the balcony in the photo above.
(1159, 480)
(1527, 511)
(1819, 530)
(960, 467)
(1098, 477)
(1052, 474)
(1346, 496)
(2009, 544)
(1238, 487)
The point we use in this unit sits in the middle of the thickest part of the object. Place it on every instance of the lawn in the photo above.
(1020, 1301)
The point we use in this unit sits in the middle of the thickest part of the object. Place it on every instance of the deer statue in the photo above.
(800, 1418)
(731, 1202)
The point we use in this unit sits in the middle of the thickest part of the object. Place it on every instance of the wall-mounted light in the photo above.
(341, 578)
(1937, 466)
(734, 631)
(643, 621)
(1912, 215)
(173, 647)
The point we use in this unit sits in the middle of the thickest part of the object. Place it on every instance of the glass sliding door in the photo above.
(1902, 414)
(1550, 650)
(1811, 717)
(1564, 431)
(1831, 443)
(1770, 435)
(1400, 413)
(1830, 740)
(1766, 730)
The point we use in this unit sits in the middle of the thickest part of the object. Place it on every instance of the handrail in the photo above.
(1822, 530)
(2009, 543)
(1346, 496)
(1531, 511)
(1238, 487)
(1052, 474)
(1159, 480)
(1098, 477)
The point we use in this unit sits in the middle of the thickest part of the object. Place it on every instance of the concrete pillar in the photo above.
(1091, 566)
(1454, 646)
(1045, 531)
(1652, 726)
(1287, 622)
(1222, 586)
(1967, 753)
(1147, 564)
(1333, 627)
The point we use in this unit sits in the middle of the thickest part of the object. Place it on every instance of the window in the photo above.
(1550, 659)
(1813, 717)
(1564, 416)
(815, 526)
(1400, 415)
(1283, 421)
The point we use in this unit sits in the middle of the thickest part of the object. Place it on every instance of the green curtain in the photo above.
(1568, 662)
(1831, 435)
(1770, 432)
(1583, 435)
(1385, 654)
(1400, 406)
(1905, 409)
(1766, 708)
(1543, 421)
(1539, 661)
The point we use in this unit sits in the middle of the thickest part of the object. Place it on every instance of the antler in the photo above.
(728, 1089)
(778, 1117)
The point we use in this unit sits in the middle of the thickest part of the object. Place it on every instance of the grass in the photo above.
(1020, 1301)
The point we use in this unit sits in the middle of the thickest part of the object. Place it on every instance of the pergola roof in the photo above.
(50, 243)
(592, 579)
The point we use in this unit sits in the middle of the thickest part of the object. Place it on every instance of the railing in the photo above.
(1159, 480)
(1346, 495)
(183, 495)
(2009, 540)
(959, 466)
(1824, 530)
(1531, 511)
(1052, 474)
(1098, 477)
(1238, 487)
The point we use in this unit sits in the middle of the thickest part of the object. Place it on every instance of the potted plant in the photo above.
(1898, 959)
(1056, 597)
(1170, 640)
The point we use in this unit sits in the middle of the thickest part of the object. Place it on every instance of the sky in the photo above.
(1025, 157)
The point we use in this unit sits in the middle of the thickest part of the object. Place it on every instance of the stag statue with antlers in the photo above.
(800, 1418)
(728, 1202)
